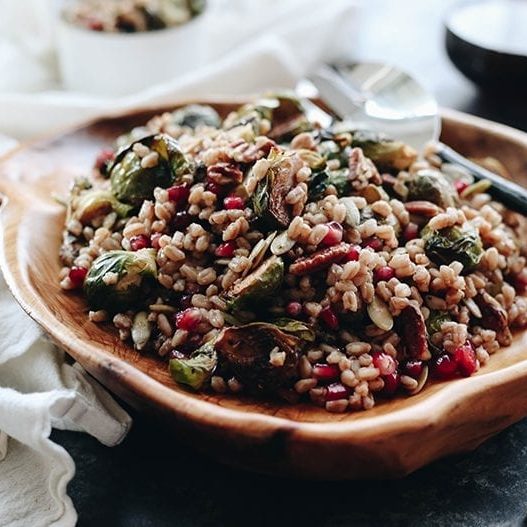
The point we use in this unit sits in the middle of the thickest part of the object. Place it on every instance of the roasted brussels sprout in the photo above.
(246, 351)
(92, 203)
(320, 181)
(386, 153)
(133, 183)
(254, 114)
(195, 115)
(296, 327)
(436, 320)
(120, 280)
(454, 243)
(269, 197)
(431, 185)
(258, 285)
(196, 370)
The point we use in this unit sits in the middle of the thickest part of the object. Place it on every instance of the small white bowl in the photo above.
(111, 64)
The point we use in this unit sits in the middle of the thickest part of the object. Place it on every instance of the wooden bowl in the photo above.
(393, 439)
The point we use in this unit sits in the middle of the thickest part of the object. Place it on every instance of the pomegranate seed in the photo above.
(460, 185)
(336, 391)
(77, 275)
(181, 221)
(233, 202)
(444, 367)
(384, 362)
(293, 309)
(373, 243)
(383, 274)
(413, 368)
(139, 242)
(411, 232)
(326, 372)
(329, 318)
(391, 383)
(104, 157)
(334, 234)
(179, 194)
(189, 319)
(154, 240)
(353, 254)
(225, 250)
(465, 358)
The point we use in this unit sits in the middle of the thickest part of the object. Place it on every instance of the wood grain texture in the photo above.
(394, 438)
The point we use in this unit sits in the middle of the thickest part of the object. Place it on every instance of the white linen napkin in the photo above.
(38, 389)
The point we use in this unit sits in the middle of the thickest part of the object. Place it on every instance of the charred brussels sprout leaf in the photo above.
(253, 114)
(245, 350)
(431, 185)
(130, 281)
(320, 181)
(436, 320)
(196, 370)
(259, 285)
(386, 153)
(92, 203)
(196, 115)
(132, 184)
(454, 243)
(296, 327)
(269, 197)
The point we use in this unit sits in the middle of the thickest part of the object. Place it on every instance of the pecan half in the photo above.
(224, 173)
(412, 329)
(423, 208)
(362, 170)
(251, 152)
(319, 260)
(494, 317)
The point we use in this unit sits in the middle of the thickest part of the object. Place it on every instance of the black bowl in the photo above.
(486, 62)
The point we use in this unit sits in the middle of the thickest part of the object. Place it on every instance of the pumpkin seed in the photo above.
(258, 252)
(380, 314)
(282, 243)
(421, 381)
(141, 330)
(352, 212)
(476, 188)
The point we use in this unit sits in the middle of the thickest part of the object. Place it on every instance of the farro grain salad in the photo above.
(131, 16)
(261, 253)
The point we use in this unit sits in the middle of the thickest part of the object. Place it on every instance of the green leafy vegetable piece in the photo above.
(92, 203)
(436, 320)
(196, 370)
(132, 184)
(195, 115)
(133, 274)
(454, 243)
(431, 185)
(296, 327)
(320, 181)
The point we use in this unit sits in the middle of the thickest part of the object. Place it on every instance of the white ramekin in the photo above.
(113, 64)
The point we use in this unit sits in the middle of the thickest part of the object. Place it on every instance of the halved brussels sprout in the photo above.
(196, 370)
(93, 202)
(296, 327)
(131, 183)
(431, 185)
(195, 115)
(253, 114)
(246, 350)
(386, 153)
(120, 280)
(258, 285)
(454, 243)
(269, 197)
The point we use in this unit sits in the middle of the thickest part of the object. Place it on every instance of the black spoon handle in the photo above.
(512, 195)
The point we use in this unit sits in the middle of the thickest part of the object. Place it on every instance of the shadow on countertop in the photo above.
(151, 480)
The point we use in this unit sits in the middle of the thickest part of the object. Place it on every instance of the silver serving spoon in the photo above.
(386, 99)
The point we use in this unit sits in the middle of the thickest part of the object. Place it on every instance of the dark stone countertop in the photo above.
(151, 480)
